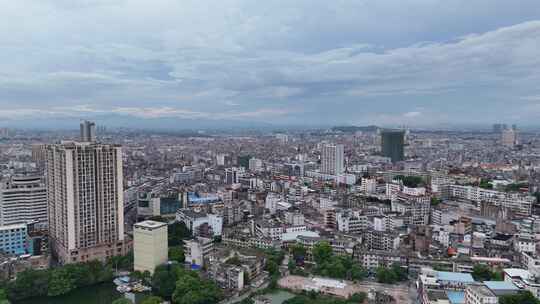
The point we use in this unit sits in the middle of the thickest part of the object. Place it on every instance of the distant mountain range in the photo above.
(130, 122)
(352, 129)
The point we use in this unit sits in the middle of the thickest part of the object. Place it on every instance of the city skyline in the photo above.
(234, 63)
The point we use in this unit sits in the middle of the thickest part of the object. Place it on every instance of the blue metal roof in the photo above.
(455, 277)
(500, 285)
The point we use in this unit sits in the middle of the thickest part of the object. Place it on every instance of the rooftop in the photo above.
(150, 224)
(455, 277)
(500, 285)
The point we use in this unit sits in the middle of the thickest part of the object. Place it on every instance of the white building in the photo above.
(332, 160)
(255, 164)
(23, 199)
(150, 247)
(519, 203)
(368, 185)
(198, 250)
(193, 220)
(351, 221)
(479, 294)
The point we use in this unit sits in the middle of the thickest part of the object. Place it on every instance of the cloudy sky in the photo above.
(387, 62)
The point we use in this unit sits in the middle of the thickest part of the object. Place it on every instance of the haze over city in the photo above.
(270, 152)
(195, 64)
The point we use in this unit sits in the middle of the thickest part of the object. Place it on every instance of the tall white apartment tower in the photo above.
(332, 159)
(85, 198)
(88, 131)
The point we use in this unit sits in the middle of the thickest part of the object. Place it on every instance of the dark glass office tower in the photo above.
(393, 142)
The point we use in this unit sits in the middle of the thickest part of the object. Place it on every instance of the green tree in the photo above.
(122, 301)
(358, 297)
(152, 300)
(247, 279)
(29, 283)
(234, 260)
(164, 280)
(481, 272)
(400, 272)
(246, 301)
(298, 251)
(291, 266)
(523, 297)
(272, 267)
(357, 273)
(191, 289)
(273, 282)
(176, 253)
(124, 262)
(322, 252)
(177, 232)
(60, 282)
(385, 275)
(3, 297)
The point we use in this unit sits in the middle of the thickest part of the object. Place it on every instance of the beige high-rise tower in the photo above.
(85, 198)
(150, 247)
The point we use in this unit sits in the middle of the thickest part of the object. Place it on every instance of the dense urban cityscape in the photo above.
(352, 214)
(270, 152)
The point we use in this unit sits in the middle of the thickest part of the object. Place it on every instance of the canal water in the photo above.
(97, 294)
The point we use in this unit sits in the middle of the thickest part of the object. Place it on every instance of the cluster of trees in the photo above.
(391, 275)
(177, 233)
(176, 253)
(147, 300)
(485, 184)
(515, 187)
(58, 281)
(524, 297)
(485, 273)
(410, 181)
(172, 281)
(313, 297)
(3, 296)
(274, 258)
(339, 267)
(435, 201)
(192, 289)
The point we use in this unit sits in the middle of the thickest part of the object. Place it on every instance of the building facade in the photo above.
(332, 159)
(392, 144)
(23, 199)
(150, 247)
(85, 201)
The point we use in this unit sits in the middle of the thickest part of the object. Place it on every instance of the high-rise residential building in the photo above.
(23, 199)
(509, 137)
(332, 159)
(88, 131)
(85, 197)
(255, 164)
(243, 161)
(150, 247)
(392, 144)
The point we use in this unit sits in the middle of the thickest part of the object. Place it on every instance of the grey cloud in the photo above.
(322, 61)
